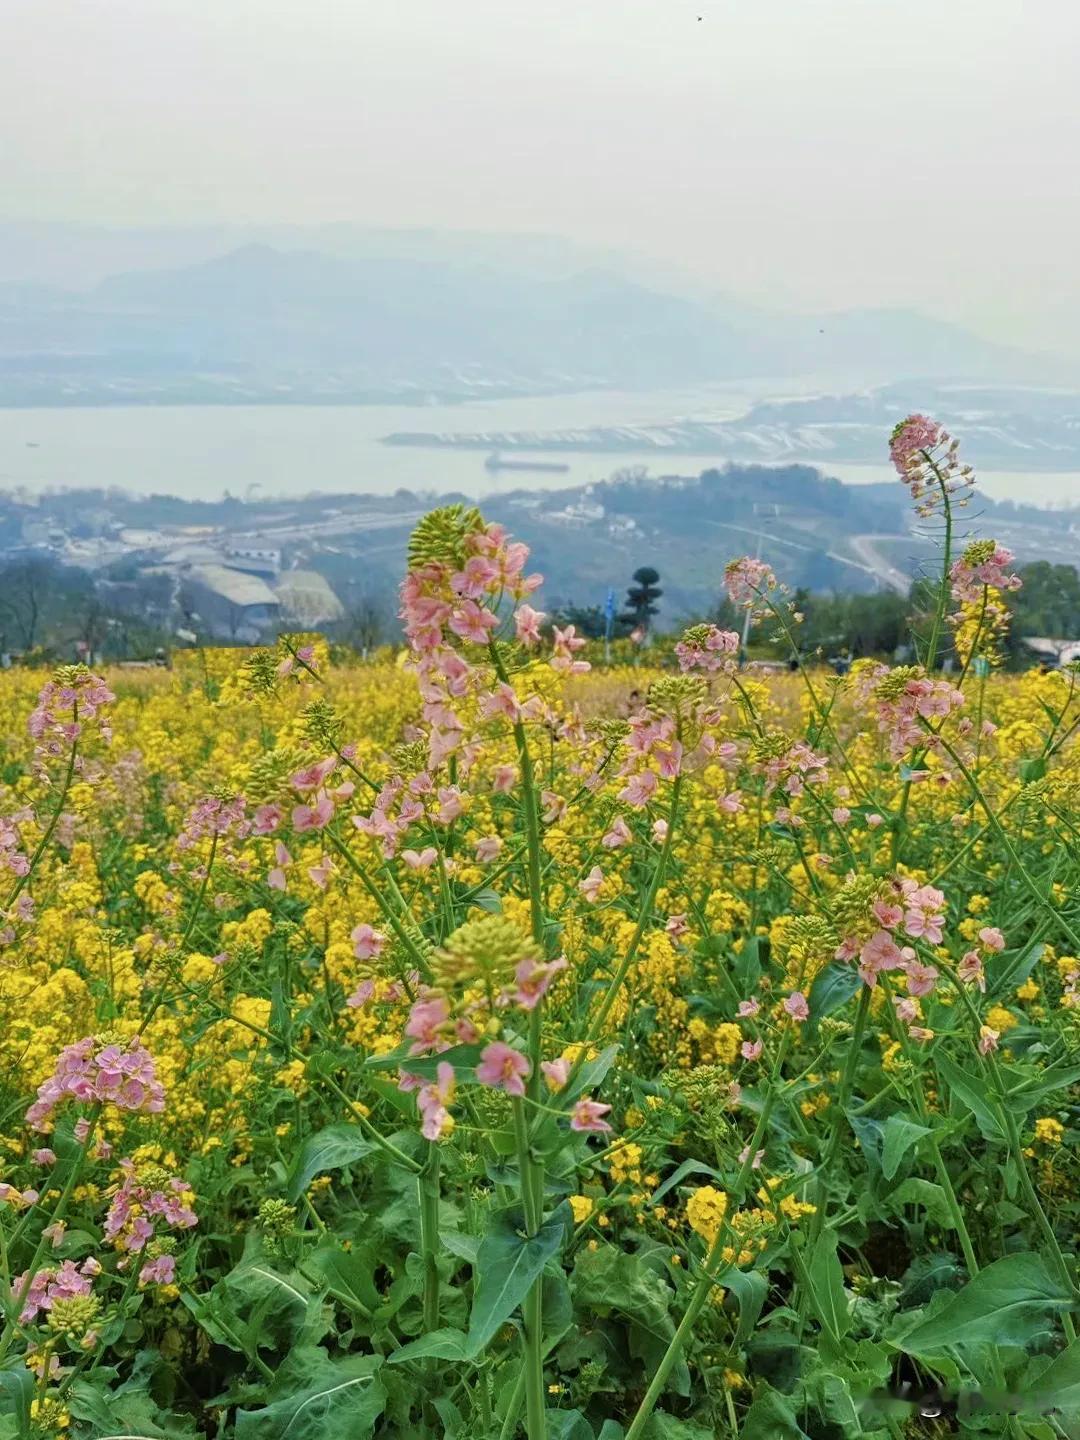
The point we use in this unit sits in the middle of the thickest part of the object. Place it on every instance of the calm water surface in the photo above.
(199, 452)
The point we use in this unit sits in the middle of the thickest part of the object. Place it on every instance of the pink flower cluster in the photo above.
(66, 704)
(138, 1211)
(398, 805)
(918, 911)
(47, 1285)
(971, 969)
(912, 440)
(799, 766)
(924, 455)
(710, 651)
(444, 608)
(900, 715)
(749, 583)
(968, 575)
(653, 752)
(214, 816)
(93, 1072)
(433, 1100)
(12, 858)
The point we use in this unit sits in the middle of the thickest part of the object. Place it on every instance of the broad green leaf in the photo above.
(465, 1247)
(827, 1293)
(463, 1058)
(349, 1273)
(688, 1167)
(750, 1289)
(610, 1281)
(666, 1427)
(999, 1307)
(129, 1409)
(831, 990)
(16, 1392)
(329, 1149)
(970, 1091)
(337, 1398)
(927, 1193)
(487, 899)
(507, 1264)
(870, 1134)
(898, 1136)
(446, 1344)
(592, 1073)
(1031, 1087)
(1057, 1387)
(568, 1425)
(771, 1418)
(1031, 770)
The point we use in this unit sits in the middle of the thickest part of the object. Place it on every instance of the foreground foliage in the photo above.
(460, 1049)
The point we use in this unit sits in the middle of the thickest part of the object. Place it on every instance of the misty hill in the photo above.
(266, 324)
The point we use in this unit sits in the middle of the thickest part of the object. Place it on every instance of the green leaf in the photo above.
(592, 1073)
(463, 1058)
(898, 1136)
(688, 1167)
(827, 1294)
(339, 1398)
(568, 1425)
(349, 1273)
(750, 1288)
(970, 1091)
(926, 1193)
(1029, 1087)
(998, 1307)
(666, 1427)
(129, 1409)
(507, 1264)
(1031, 770)
(328, 1149)
(446, 1344)
(17, 1390)
(608, 1280)
(771, 1418)
(487, 899)
(831, 990)
(1057, 1387)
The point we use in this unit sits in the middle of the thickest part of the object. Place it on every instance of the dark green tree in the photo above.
(641, 598)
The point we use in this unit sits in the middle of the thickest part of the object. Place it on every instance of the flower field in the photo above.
(454, 1045)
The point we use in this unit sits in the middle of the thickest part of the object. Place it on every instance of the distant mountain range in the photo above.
(372, 316)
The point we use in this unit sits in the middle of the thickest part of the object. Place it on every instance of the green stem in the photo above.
(1010, 849)
(428, 1181)
(58, 1213)
(532, 1309)
(54, 820)
(836, 1134)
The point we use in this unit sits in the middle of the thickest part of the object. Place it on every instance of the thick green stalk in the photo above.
(428, 1182)
(532, 1309)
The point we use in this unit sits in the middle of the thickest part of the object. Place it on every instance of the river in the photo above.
(199, 452)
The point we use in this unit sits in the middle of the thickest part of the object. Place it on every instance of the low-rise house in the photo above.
(230, 604)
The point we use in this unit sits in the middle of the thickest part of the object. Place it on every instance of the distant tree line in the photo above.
(50, 611)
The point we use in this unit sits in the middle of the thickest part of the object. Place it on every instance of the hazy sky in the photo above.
(809, 152)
